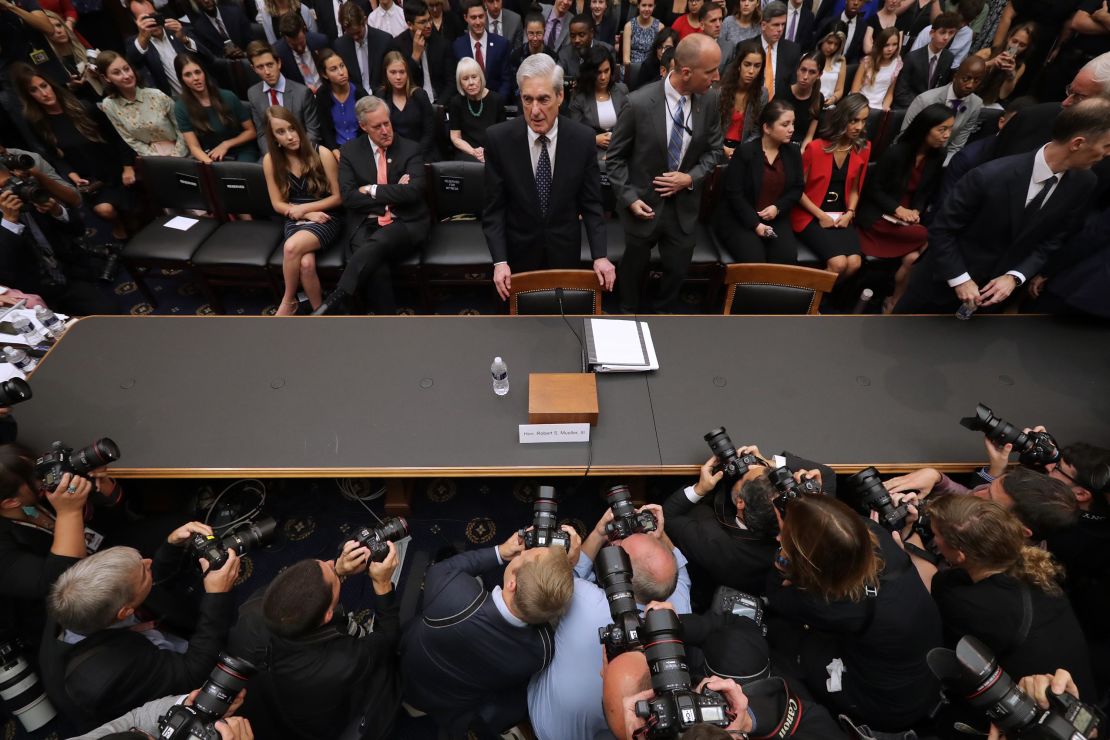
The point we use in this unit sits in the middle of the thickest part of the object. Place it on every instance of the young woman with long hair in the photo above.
(743, 24)
(640, 33)
(143, 116)
(878, 70)
(73, 56)
(598, 97)
(742, 95)
(805, 95)
(410, 111)
(1006, 67)
(214, 123)
(335, 102)
(688, 22)
(833, 65)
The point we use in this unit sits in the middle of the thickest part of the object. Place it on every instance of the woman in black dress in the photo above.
(474, 110)
(81, 143)
(304, 187)
(410, 111)
(806, 98)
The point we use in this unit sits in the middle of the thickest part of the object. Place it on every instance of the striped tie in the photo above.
(674, 147)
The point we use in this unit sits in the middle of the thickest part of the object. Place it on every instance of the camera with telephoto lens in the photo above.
(972, 672)
(614, 573)
(729, 601)
(1033, 448)
(873, 494)
(224, 683)
(545, 530)
(377, 539)
(29, 191)
(93, 261)
(729, 462)
(626, 520)
(21, 693)
(243, 539)
(789, 489)
(12, 162)
(676, 706)
(14, 391)
(52, 465)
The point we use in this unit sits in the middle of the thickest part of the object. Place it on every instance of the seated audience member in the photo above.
(851, 23)
(387, 16)
(981, 236)
(214, 123)
(650, 70)
(878, 71)
(688, 22)
(381, 177)
(271, 11)
(711, 16)
(898, 190)
(846, 590)
(833, 66)
(961, 99)
(762, 184)
(447, 26)
(409, 108)
(467, 658)
(156, 46)
(81, 142)
(598, 97)
(275, 89)
(143, 116)
(582, 41)
(742, 96)
(221, 27)
(72, 54)
(605, 21)
(507, 23)
(640, 31)
(303, 181)
(490, 52)
(335, 102)
(967, 10)
(743, 23)
(297, 51)
(1006, 68)
(472, 111)
(1004, 591)
(928, 66)
(323, 671)
(431, 62)
(886, 17)
(533, 43)
(781, 55)
(804, 95)
(981, 150)
(362, 47)
(93, 667)
(834, 164)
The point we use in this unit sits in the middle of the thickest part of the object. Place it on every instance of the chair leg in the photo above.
(138, 275)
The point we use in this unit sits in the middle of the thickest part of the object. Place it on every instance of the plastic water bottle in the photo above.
(24, 362)
(864, 300)
(54, 326)
(966, 311)
(500, 372)
(31, 335)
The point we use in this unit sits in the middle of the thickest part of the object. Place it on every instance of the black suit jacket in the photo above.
(289, 68)
(325, 17)
(516, 231)
(744, 180)
(378, 44)
(886, 184)
(406, 202)
(234, 20)
(1028, 130)
(441, 64)
(854, 50)
(803, 35)
(786, 63)
(914, 77)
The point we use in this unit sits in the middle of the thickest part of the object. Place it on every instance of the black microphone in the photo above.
(581, 344)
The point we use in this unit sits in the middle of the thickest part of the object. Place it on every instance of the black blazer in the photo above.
(516, 231)
(417, 122)
(786, 62)
(406, 202)
(886, 184)
(1028, 130)
(289, 68)
(914, 77)
(323, 112)
(744, 179)
(325, 17)
(378, 44)
(803, 36)
(441, 64)
(234, 20)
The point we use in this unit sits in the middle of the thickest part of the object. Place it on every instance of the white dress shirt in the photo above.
(534, 147)
(672, 97)
(391, 21)
(372, 188)
(484, 41)
(363, 56)
(307, 65)
(793, 15)
(852, 25)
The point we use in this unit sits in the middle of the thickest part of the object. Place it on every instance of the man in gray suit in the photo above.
(960, 96)
(504, 22)
(275, 89)
(667, 141)
(556, 31)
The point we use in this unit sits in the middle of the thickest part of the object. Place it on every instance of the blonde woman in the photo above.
(73, 55)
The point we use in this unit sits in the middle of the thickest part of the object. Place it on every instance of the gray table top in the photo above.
(411, 396)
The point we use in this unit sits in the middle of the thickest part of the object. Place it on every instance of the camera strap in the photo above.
(772, 699)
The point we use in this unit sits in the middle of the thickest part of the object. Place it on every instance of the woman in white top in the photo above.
(878, 70)
(599, 98)
(833, 67)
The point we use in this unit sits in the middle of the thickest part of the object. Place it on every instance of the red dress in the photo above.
(888, 240)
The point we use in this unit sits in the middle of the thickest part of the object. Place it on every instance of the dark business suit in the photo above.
(803, 34)
(736, 217)
(983, 229)
(786, 62)
(378, 44)
(371, 246)
(289, 68)
(325, 16)
(148, 64)
(235, 23)
(914, 77)
(510, 26)
(441, 64)
(854, 50)
(516, 230)
(570, 59)
(637, 155)
(1028, 130)
(496, 53)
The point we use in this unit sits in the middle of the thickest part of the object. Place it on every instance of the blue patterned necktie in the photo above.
(674, 147)
(543, 176)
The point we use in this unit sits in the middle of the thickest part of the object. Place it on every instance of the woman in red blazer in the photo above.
(834, 164)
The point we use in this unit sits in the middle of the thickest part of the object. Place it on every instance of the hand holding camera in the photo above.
(381, 571)
(10, 206)
(1036, 447)
(708, 477)
(545, 530)
(511, 547)
(354, 558)
(184, 534)
(206, 713)
(220, 580)
(70, 495)
(627, 519)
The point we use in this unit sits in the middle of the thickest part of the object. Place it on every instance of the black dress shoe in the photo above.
(337, 303)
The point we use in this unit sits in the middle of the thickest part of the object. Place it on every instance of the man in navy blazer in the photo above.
(151, 52)
(495, 50)
(296, 50)
(216, 24)
(531, 219)
(1004, 219)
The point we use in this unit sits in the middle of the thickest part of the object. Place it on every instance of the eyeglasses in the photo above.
(1071, 93)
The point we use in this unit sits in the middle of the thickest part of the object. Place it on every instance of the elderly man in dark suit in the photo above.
(1005, 218)
(667, 141)
(363, 48)
(297, 49)
(531, 220)
(222, 28)
(152, 50)
(381, 177)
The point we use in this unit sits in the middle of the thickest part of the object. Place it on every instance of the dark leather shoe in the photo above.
(336, 304)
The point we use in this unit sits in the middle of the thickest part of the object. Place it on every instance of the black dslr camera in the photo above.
(614, 573)
(14, 162)
(14, 391)
(873, 494)
(789, 489)
(243, 539)
(29, 191)
(1033, 448)
(626, 520)
(676, 707)
(52, 465)
(729, 601)
(94, 260)
(545, 530)
(158, 18)
(377, 540)
(733, 465)
(216, 696)
(972, 671)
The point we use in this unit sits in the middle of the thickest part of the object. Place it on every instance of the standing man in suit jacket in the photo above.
(362, 47)
(666, 142)
(960, 97)
(297, 49)
(214, 25)
(1005, 218)
(500, 21)
(930, 66)
(381, 177)
(275, 89)
(491, 52)
(156, 45)
(531, 219)
(781, 56)
(328, 21)
(431, 63)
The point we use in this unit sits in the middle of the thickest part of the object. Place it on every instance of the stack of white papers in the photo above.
(620, 346)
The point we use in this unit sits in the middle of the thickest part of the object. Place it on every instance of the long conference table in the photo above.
(410, 397)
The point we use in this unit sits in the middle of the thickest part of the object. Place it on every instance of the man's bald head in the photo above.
(654, 568)
(697, 58)
(969, 76)
(625, 675)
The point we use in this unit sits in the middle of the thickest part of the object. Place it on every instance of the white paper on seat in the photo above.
(181, 223)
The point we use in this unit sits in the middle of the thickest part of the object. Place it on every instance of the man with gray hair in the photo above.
(99, 659)
(781, 55)
(381, 177)
(531, 219)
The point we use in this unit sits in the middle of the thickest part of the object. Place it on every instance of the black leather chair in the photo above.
(177, 184)
(541, 292)
(456, 252)
(239, 251)
(888, 131)
(631, 74)
(775, 289)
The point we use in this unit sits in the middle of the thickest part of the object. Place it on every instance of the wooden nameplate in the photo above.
(562, 398)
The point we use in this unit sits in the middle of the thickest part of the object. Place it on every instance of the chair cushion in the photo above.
(545, 302)
(764, 298)
(240, 243)
(159, 242)
(456, 244)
